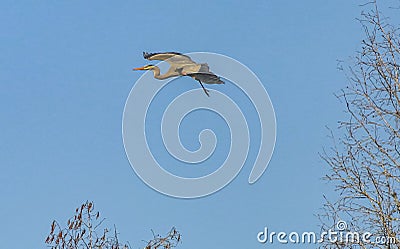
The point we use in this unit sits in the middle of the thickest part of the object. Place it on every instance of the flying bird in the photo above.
(181, 65)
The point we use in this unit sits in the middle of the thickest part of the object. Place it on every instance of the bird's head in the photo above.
(147, 67)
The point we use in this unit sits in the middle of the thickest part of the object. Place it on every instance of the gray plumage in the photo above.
(181, 65)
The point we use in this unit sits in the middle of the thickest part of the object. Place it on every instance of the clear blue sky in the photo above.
(65, 73)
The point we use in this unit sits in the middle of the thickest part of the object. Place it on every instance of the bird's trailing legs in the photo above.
(205, 90)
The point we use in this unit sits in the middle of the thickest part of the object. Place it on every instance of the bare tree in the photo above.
(168, 241)
(86, 230)
(364, 160)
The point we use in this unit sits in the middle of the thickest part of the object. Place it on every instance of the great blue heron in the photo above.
(181, 65)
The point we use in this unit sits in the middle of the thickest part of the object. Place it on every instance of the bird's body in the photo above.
(181, 65)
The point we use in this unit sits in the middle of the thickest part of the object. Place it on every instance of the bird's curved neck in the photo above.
(156, 72)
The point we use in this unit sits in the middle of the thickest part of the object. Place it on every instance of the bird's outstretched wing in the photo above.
(200, 72)
(206, 77)
(170, 57)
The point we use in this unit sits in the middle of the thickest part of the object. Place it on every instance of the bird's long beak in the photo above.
(138, 68)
